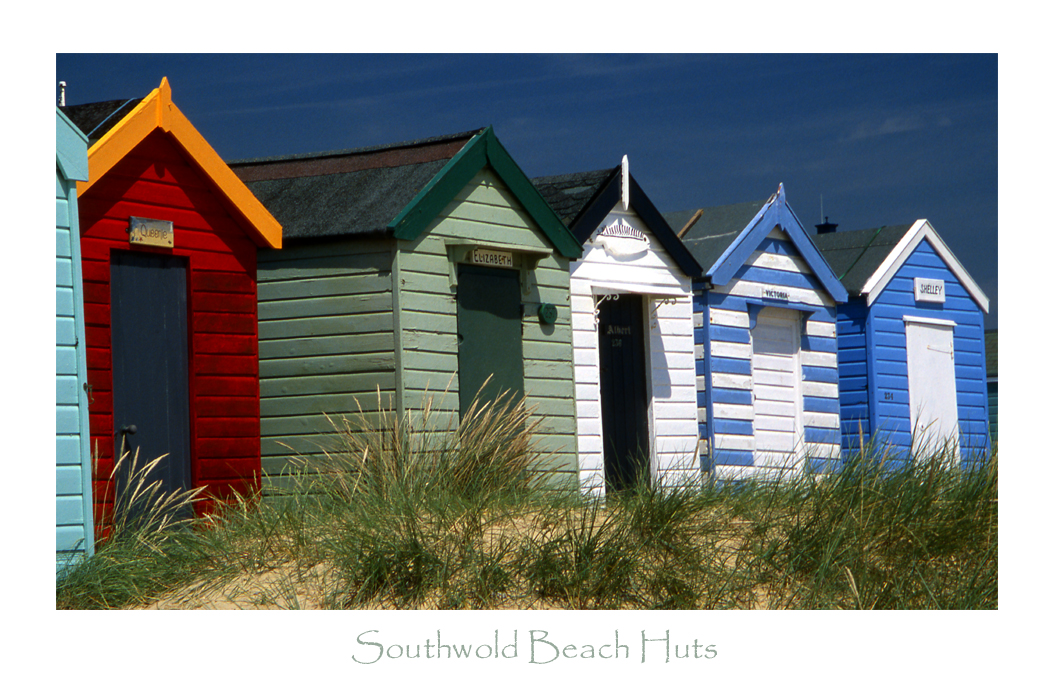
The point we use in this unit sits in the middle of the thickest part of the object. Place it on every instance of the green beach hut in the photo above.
(410, 272)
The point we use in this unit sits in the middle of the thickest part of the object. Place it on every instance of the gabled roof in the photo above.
(727, 239)
(709, 232)
(395, 189)
(70, 148)
(584, 199)
(867, 260)
(856, 255)
(568, 195)
(116, 127)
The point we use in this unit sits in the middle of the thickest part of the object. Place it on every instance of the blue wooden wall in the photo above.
(885, 409)
(74, 522)
(724, 316)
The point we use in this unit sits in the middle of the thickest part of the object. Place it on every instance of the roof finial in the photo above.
(625, 185)
(61, 93)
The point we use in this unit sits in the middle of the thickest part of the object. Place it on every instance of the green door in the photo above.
(489, 334)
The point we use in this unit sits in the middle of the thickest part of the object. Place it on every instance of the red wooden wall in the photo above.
(155, 180)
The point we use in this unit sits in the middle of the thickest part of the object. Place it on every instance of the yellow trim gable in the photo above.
(158, 111)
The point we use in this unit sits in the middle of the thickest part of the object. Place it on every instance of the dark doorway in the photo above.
(489, 334)
(623, 391)
(151, 363)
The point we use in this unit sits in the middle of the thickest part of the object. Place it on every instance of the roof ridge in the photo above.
(447, 138)
(549, 178)
(861, 253)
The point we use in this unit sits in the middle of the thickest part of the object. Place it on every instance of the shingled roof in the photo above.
(396, 189)
(97, 118)
(584, 199)
(569, 195)
(856, 255)
(349, 192)
(708, 232)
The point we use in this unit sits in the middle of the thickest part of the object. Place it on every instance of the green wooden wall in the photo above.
(325, 336)
(338, 320)
(486, 212)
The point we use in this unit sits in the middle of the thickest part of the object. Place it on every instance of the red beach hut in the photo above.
(169, 237)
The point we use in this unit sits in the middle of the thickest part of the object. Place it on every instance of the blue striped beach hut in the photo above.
(765, 341)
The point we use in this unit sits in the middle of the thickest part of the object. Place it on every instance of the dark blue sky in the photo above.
(882, 139)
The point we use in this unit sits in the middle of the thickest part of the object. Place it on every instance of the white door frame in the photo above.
(931, 376)
(788, 320)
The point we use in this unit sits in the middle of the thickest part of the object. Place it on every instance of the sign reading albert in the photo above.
(147, 231)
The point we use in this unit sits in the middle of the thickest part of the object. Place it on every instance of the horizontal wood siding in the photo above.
(74, 535)
(671, 360)
(854, 379)
(325, 324)
(991, 392)
(725, 372)
(155, 181)
(889, 351)
(486, 211)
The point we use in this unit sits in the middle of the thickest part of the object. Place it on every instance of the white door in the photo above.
(777, 402)
(932, 384)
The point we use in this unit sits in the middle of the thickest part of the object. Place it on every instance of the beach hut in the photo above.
(169, 238)
(765, 340)
(632, 333)
(911, 340)
(411, 274)
(991, 380)
(74, 529)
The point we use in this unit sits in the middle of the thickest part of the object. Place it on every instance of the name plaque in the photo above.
(147, 231)
(491, 258)
(933, 290)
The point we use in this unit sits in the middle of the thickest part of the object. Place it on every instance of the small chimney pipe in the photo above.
(825, 226)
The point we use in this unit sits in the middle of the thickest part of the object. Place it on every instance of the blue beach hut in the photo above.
(911, 341)
(74, 528)
(765, 341)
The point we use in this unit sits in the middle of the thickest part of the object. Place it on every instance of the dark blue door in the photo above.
(151, 362)
(623, 391)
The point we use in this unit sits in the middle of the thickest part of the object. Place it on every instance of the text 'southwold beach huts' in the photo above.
(415, 269)
(765, 340)
(632, 329)
(169, 237)
(912, 358)
(74, 530)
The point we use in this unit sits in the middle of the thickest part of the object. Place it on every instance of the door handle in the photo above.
(129, 429)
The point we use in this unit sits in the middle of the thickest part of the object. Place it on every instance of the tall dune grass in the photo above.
(405, 515)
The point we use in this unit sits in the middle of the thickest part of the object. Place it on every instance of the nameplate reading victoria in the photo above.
(491, 258)
(147, 231)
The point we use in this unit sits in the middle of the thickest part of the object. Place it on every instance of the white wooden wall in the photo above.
(672, 415)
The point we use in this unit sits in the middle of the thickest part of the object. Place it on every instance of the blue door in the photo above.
(151, 363)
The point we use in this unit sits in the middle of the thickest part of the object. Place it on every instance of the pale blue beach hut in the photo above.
(74, 521)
